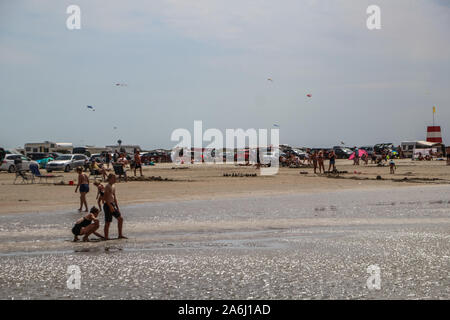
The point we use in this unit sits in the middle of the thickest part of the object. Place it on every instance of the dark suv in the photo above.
(342, 152)
(383, 147)
(38, 155)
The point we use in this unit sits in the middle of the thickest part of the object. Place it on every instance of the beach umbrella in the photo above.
(361, 152)
(90, 108)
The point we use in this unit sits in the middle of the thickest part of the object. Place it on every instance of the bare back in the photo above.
(110, 194)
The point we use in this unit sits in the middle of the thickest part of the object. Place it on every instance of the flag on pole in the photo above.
(434, 109)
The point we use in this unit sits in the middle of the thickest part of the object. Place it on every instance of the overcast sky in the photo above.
(186, 60)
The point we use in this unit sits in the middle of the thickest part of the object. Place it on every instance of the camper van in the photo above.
(48, 146)
(408, 148)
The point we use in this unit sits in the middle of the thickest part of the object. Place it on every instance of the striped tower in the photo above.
(434, 134)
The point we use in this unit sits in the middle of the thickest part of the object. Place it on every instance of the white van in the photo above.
(408, 148)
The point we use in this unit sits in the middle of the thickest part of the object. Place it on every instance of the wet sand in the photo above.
(314, 245)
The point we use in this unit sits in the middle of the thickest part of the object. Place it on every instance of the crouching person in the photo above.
(87, 225)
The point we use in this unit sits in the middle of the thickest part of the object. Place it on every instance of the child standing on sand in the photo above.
(100, 194)
(392, 166)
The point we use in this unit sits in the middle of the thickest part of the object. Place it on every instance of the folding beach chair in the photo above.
(119, 171)
(37, 174)
(25, 176)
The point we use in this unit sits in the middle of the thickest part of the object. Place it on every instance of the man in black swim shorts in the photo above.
(111, 207)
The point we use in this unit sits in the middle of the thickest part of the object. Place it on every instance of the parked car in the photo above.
(42, 158)
(270, 157)
(157, 156)
(297, 152)
(3, 153)
(67, 162)
(55, 155)
(97, 157)
(369, 150)
(383, 147)
(38, 155)
(81, 150)
(8, 163)
(342, 152)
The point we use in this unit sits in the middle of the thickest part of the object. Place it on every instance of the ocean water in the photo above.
(304, 246)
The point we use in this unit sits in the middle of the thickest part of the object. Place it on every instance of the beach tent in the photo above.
(361, 152)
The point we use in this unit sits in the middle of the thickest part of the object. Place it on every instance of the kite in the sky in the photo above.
(309, 95)
(269, 79)
(342, 142)
(121, 84)
(91, 108)
(114, 128)
(276, 125)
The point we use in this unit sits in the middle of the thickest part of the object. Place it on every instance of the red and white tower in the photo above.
(434, 132)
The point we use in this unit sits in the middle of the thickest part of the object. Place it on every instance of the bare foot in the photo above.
(75, 239)
(79, 210)
(85, 239)
(122, 237)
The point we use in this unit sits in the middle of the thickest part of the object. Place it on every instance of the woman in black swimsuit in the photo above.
(87, 225)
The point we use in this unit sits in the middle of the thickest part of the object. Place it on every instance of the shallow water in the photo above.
(305, 246)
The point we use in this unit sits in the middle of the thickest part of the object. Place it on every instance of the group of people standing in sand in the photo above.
(317, 160)
(106, 199)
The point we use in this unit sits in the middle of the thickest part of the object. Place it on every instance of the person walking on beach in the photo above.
(87, 225)
(137, 162)
(332, 157)
(83, 186)
(111, 207)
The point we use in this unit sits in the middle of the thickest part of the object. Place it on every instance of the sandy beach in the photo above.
(207, 182)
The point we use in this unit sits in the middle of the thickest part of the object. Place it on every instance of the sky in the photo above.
(209, 60)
